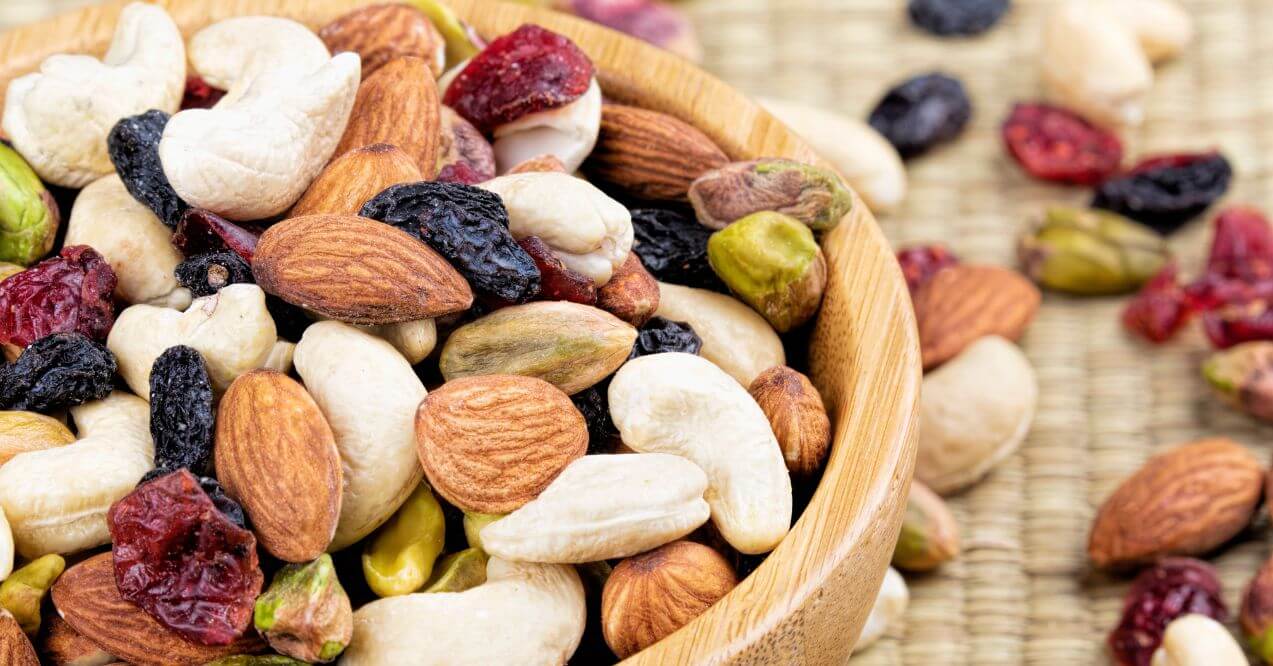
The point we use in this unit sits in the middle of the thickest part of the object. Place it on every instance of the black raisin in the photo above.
(134, 150)
(290, 321)
(922, 112)
(57, 371)
(181, 411)
(206, 274)
(957, 17)
(660, 335)
(594, 404)
(1166, 192)
(468, 226)
(673, 247)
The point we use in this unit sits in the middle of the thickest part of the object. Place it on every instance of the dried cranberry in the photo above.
(1176, 587)
(1234, 323)
(69, 292)
(201, 232)
(1160, 309)
(1054, 144)
(921, 262)
(459, 173)
(1166, 192)
(180, 559)
(922, 112)
(556, 282)
(529, 70)
(200, 95)
(1242, 248)
(956, 17)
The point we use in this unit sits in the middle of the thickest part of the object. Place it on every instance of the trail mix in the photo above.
(349, 349)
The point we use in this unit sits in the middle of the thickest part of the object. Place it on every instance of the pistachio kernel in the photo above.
(1091, 252)
(771, 262)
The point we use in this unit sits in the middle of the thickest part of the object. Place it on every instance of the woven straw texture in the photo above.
(1022, 593)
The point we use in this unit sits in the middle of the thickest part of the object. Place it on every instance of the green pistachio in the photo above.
(458, 572)
(1091, 252)
(28, 214)
(305, 613)
(460, 45)
(399, 558)
(1243, 377)
(1256, 615)
(771, 262)
(811, 195)
(256, 660)
(473, 524)
(23, 591)
(930, 536)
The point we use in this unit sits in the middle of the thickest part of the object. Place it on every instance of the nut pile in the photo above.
(349, 349)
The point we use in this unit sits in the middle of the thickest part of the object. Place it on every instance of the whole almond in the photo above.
(490, 444)
(651, 155)
(380, 33)
(86, 597)
(15, 647)
(276, 455)
(964, 303)
(632, 294)
(798, 418)
(1186, 501)
(357, 270)
(352, 179)
(398, 105)
(64, 646)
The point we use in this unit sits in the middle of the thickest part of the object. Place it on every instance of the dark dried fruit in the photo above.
(921, 262)
(224, 503)
(290, 321)
(1177, 586)
(556, 282)
(55, 372)
(1160, 309)
(1242, 248)
(201, 232)
(1054, 144)
(956, 17)
(184, 562)
(460, 173)
(200, 95)
(673, 247)
(1166, 192)
(70, 292)
(1236, 322)
(526, 71)
(206, 274)
(660, 336)
(134, 150)
(594, 404)
(469, 227)
(181, 416)
(922, 112)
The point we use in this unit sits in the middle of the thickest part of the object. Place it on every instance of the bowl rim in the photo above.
(808, 601)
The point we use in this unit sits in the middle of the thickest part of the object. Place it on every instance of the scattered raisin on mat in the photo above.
(1175, 587)
(921, 262)
(673, 247)
(133, 145)
(1166, 192)
(206, 274)
(183, 561)
(70, 292)
(956, 17)
(200, 95)
(660, 335)
(181, 415)
(922, 112)
(594, 404)
(57, 371)
(201, 232)
(1054, 144)
(556, 281)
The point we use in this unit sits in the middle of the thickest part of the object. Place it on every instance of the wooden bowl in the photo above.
(807, 602)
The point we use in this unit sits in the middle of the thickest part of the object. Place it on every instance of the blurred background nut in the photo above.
(811, 195)
(735, 338)
(654, 21)
(649, 596)
(772, 262)
(27, 431)
(1091, 252)
(1093, 64)
(930, 535)
(29, 217)
(1197, 640)
(1243, 377)
(798, 418)
(305, 613)
(890, 606)
(1162, 27)
(22, 593)
(399, 557)
(1257, 613)
(380, 33)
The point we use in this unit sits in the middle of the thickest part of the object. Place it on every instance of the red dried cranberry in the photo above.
(529, 70)
(1234, 323)
(69, 292)
(1054, 144)
(1243, 245)
(1160, 309)
(1177, 586)
(460, 173)
(201, 232)
(921, 262)
(183, 561)
(200, 95)
(558, 283)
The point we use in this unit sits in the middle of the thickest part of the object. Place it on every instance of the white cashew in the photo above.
(1092, 63)
(1162, 27)
(734, 337)
(56, 499)
(567, 132)
(59, 117)
(369, 394)
(135, 243)
(1197, 640)
(684, 405)
(589, 231)
(522, 614)
(415, 340)
(6, 547)
(603, 507)
(232, 54)
(890, 606)
(280, 358)
(232, 329)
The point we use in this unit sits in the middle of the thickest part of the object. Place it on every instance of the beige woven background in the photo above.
(1022, 592)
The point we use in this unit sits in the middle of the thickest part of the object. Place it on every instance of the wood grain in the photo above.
(807, 602)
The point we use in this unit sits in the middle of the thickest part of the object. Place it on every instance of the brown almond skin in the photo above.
(541, 164)
(462, 142)
(357, 270)
(15, 647)
(352, 179)
(964, 303)
(474, 459)
(398, 105)
(380, 33)
(86, 597)
(651, 155)
(1187, 501)
(61, 645)
(798, 418)
(632, 294)
(276, 455)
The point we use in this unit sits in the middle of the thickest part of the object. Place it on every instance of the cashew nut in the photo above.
(137, 245)
(1093, 63)
(684, 405)
(890, 606)
(1163, 27)
(369, 394)
(1197, 640)
(231, 328)
(56, 499)
(734, 337)
(522, 614)
(603, 507)
(589, 231)
(568, 132)
(415, 340)
(233, 53)
(58, 117)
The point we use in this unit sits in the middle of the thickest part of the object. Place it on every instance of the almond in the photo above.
(15, 647)
(798, 418)
(277, 456)
(64, 646)
(1187, 501)
(964, 303)
(651, 155)
(357, 270)
(490, 444)
(398, 105)
(352, 179)
(462, 143)
(632, 294)
(541, 164)
(86, 597)
(380, 33)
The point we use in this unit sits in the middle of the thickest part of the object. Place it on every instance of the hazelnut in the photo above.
(798, 418)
